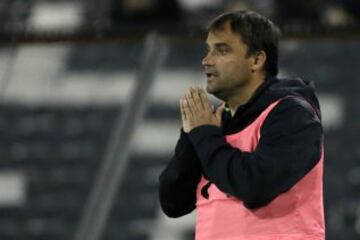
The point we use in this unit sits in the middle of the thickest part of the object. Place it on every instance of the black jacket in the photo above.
(289, 147)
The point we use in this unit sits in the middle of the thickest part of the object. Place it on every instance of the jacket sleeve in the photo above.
(289, 147)
(178, 181)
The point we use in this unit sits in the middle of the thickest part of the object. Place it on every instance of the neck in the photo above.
(244, 94)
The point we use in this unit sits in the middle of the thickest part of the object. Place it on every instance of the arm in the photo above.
(289, 147)
(178, 181)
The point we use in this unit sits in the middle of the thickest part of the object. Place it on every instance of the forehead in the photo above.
(224, 35)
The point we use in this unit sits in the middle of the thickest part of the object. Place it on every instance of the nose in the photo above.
(207, 61)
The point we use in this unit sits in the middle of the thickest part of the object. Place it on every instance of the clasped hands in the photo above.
(196, 110)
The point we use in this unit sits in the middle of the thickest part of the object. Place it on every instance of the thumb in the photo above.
(219, 111)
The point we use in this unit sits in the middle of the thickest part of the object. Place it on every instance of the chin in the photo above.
(210, 89)
(215, 92)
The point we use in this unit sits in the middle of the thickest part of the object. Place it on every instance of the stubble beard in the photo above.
(222, 92)
(219, 92)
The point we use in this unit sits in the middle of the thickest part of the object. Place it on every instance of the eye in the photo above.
(223, 50)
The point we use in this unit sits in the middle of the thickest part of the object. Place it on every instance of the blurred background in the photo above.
(89, 116)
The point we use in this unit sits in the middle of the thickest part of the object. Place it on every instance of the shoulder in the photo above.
(289, 114)
(293, 106)
(293, 103)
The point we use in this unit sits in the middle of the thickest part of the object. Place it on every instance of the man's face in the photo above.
(226, 64)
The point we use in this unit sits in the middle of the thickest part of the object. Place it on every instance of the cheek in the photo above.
(236, 68)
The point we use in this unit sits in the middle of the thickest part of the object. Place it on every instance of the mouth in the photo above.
(210, 75)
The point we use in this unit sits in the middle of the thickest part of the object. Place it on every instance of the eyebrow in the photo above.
(219, 45)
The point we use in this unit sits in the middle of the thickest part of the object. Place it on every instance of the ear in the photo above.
(258, 61)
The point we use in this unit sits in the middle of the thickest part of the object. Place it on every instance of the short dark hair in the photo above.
(256, 31)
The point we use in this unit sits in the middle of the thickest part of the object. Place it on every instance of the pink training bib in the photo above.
(294, 215)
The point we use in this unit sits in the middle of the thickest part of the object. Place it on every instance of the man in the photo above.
(255, 169)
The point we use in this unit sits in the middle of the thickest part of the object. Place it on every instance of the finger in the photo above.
(187, 110)
(191, 102)
(182, 111)
(205, 100)
(197, 98)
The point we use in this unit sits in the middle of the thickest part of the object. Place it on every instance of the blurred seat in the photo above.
(60, 149)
